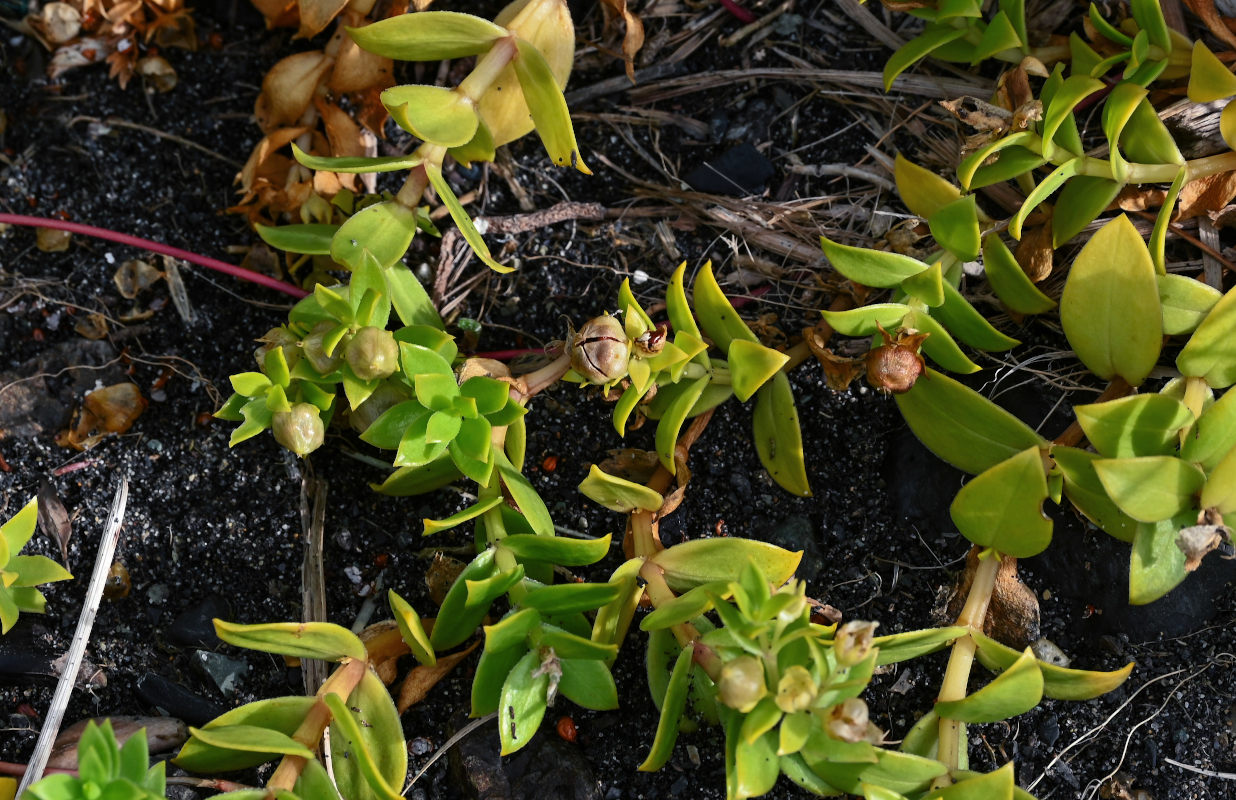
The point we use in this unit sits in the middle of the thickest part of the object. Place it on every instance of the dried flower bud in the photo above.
(278, 337)
(300, 430)
(373, 353)
(741, 684)
(896, 365)
(852, 642)
(600, 350)
(795, 690)
(649, 343)
(314, 349)
(848, 721)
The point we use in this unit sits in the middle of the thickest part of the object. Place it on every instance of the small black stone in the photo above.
(194, 627)
(742, 170)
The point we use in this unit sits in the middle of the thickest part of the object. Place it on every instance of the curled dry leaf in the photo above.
(633, 33)
(1034, 252)
(631, 464)
(385, 645)
(441, 575)
(1206, 195)
(289, 87)
(315, 15)
(134, 277)
(1141, 198)
(60, 22)
(92, 326)
(1203, 538)
(112, 409)
(54, 519)
(1210, 15)
(80, 53)
(52, 240)
(176, 288)
(157, 73)
(162, 734)
(421, 679)
(839, 371)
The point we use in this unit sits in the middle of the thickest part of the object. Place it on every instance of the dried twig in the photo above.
(81, 636)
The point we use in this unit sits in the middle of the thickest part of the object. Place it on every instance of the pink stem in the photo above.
(744, 16)
(155, 247)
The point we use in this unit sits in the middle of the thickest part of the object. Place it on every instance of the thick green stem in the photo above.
(957, 675)
(488, 68)
(660, 593)
(309, 733)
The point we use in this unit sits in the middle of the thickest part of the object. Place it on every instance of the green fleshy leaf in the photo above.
(932, 38)
(1079, 204)
(618, 494)
(435, 114)
(1141, 425)
(672, 707)
(1009, 280)
(1156, 563)
(1015, 691)
(927, 286)
(366, 727)
(921, 190)
(548, 107)
(866, 320)
(956, 228)
(1085, 491)
(347, 164)
(1209, 78)
(907, 645)
(522, 703)
(588, 683)
(281, 714)
(251, 739)
(462, 221)
(778, 437)
(1213, 436)
(1060, 683)
(1150, 488)
(556, 550)
(428, 36)
(701, 561)
(1110, 305)
(875, 268)
(323, 640)
(411, 630)
(1002, 508)
(1185, 302)
(383, 229)
(311, 240)
(1210, 352)
(1054, 180)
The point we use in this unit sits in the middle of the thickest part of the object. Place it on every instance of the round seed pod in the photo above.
(300, 430)
(372, 353)
(314, 350)
(278, 337)
(600, 350)
(741, 685)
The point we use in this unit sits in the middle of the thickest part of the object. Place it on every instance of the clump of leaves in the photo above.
(84, 32)
(104, 770)
(20, 575)
(523, 59)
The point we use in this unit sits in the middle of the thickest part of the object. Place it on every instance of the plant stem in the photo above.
(154, 247)
(342, 682)
(525, 387)
(488, 68)
(660, 593)
(957, 675)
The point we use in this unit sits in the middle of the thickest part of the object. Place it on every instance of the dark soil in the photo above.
(213, 530)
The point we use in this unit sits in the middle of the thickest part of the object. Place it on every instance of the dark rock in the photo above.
(194, 627)
(41, 406)
(176, 700)
(1049, 730)
(740, 171)
(223, 671)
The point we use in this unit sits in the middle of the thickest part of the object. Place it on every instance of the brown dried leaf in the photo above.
(1138, 198)
(1034, 252)
(278, 13)
(289, 87)
(839, 371)
(357, 70)
(157, 73)
(59, 22)
(420, 680)
(260, 158)
(134, 277)
(112, 409)
(979, 114)
(1206, 195)
(1013, 88)
(81, 53)
(92, 326)
(54, 519)
(315, 15)
(637, 466)
(52, 240)
(633, 35)
(1013, 615)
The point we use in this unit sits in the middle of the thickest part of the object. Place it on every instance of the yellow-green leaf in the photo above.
(618, 494)
(1150, 488)
(428, 36)
(778, 437)
(1110, 305)
(1009, 280)
(921, 190)
(1060, 683)
(1141, 425)
(1014, 691)
(1209, 78)
(435, 114)
(1210, 352)
(875, 268)
(411, 630)
(548, 107)
(701, 561)
(1003, 506)
(751, 366)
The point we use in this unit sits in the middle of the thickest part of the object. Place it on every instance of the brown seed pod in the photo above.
(600, 350)
(896, 365)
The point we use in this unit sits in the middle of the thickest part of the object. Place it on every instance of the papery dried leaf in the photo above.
(1139, 198)
(135, 276)
(278, 13)
(979, 114)
(266, 149)
(369, 111)
(682, 477)
(176, 288)
(60, 22)
(261, 258)
(363, 7)
(80, 53)
(1034, 252)
(385, 645)
(346, 139)
(1197, 541)
(92, 326)
(839, 371)
(315, 15)
(112, 409)
(1013, 615)
(54, 519)
(1205, 195)
(157, 73)
(289, 87)
(1224, 217)
(52, 240)
(421, 679)
(633, 34)
(1013, 88)
(357, 70)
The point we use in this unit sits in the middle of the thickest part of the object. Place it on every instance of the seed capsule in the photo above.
(848, 721)
(300, 430)
(896, 365)
(373, 353)
(600, 350)
(315, 351)
(277, 337)
(795, 690)
(852, 642)
(741, 685)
